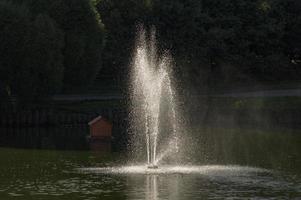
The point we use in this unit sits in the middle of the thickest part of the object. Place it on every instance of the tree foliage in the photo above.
(30, 50)
(84, 40)
(121, 19)
(219, 41)
(47, 45)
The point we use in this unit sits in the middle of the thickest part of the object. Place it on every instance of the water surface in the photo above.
(227, 164)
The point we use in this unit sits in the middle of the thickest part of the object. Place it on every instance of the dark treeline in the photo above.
(213, 42)
(48, 46)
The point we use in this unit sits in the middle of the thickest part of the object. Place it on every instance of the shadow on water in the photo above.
(59, 138)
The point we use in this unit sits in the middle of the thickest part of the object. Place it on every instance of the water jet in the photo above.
(151, 86)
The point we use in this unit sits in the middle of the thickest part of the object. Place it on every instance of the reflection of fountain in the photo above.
(150, 78)
(151, 187)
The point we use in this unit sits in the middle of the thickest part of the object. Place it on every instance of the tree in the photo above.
(84, 40)
(30, 53)
(214, 36)
(14, 32)
(84, 36)
(292, 36)
(121, 18)
(44, 59)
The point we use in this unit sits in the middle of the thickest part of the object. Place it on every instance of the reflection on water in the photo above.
(151, 187)
(47, 175)
(221, 156)
(100, 146)
(58, 138)
(271, 149)
(217, 182)
(62, 137)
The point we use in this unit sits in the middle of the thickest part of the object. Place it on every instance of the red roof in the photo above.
(96, 120)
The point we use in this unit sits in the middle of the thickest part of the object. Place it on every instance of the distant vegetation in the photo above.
(213, 42)
(48, 46)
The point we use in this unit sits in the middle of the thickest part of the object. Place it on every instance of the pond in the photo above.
(225, 163)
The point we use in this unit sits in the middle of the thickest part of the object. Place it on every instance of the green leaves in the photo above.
(47, 45)
(84, 40)
(31, 53)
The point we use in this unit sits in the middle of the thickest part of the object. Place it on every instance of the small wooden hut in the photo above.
(100, 129)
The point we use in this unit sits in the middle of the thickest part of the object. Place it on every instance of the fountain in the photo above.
(151, 91)
(161, 166)
(150, 82)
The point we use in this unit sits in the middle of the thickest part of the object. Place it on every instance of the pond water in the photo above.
(225, 164)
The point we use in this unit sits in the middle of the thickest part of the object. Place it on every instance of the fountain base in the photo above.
(152, 167)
